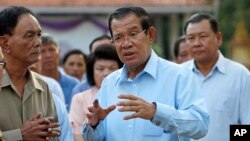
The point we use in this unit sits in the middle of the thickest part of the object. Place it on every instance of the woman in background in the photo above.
(103, 61)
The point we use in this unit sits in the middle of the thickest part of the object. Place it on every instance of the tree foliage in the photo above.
(230, 14)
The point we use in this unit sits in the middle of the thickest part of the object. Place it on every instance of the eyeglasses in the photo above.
(3, 64)
(131, 36)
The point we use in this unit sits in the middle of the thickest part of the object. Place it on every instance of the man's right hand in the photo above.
(39, 129)
(96, 113)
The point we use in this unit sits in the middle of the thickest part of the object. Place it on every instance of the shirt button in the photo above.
(134, 85)
(130, 126)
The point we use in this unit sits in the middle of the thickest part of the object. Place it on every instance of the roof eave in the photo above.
(108, 10)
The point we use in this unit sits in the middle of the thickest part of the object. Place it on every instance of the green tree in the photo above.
(230, 13)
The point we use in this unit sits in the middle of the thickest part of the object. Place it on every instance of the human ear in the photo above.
(4, 43)
(219, 38)
(152, 34)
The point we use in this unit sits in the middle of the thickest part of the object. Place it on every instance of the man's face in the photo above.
(184, 53)
(133, 52)
(75, 65)
(50, 57)
(24, 45)
(203, 42)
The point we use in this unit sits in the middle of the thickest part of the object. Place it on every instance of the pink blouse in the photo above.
(79, 108)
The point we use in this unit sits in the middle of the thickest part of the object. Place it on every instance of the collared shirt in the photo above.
(67, 83)
(54, 86)
(226, 95)
(79, 108)
(82, 86)
(63, 118)
(16, 110)
(180, 111)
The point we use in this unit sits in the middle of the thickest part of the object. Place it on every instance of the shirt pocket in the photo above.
(152, 130)
(226, 105)
(225, 102)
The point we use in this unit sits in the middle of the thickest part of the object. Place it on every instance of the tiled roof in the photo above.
(99, 3)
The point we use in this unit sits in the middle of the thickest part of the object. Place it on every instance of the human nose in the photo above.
(197, 41)
(38, 41)
(75, 68)
(46, 54)
(127, 39)
(126, 42)
(106, 72)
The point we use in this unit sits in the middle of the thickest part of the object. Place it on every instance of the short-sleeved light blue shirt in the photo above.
(54, 87)
(63, 118)
(82, 86)
(180, 112)
(67, 83)
(227, 95)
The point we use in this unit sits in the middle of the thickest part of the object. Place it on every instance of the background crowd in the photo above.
(122, 90)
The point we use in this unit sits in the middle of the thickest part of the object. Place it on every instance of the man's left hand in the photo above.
(140, 107)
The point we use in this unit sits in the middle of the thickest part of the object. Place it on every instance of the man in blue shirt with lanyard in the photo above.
(155, 99)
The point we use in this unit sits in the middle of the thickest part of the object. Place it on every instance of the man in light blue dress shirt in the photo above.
(149, 98)
(223, 82)
(65, 127)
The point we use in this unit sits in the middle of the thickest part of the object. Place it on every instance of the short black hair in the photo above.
(198, 17)
(9, 18)
(102, 37)
(106, 52)
(141, 13)
(177, 45)
(73, 52)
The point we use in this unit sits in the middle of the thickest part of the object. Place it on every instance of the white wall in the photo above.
(78, 37)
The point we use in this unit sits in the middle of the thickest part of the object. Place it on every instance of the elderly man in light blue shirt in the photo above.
(155, 99)
(223, 82)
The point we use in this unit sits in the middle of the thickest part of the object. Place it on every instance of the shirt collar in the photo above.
(35, 81)
(6, 79)
(150, 68)
(32, 80)
(219, 65)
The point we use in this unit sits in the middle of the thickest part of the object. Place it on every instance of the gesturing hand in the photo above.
(96, 113)
(140, 107)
